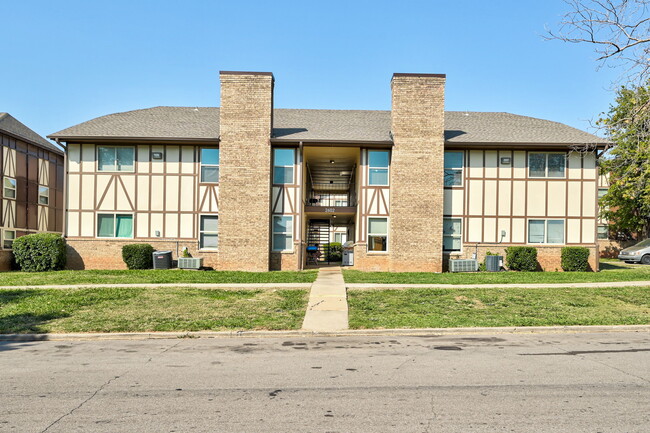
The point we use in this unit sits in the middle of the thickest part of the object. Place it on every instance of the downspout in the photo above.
(65, 188)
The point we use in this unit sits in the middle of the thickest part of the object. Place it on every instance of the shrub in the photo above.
(521, 258)
(40, 252)
(138, 256)
(334, 251)
(575, 259)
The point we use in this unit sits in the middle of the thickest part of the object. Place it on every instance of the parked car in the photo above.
(639, 253)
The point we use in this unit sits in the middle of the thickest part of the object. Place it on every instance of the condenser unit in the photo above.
(463, 265)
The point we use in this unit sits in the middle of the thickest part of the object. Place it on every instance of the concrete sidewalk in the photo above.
(327, 310)
(371, 286)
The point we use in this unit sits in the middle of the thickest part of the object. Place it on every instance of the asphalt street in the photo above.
(463, 383)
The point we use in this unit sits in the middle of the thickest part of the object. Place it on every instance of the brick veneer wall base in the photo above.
(6, 257)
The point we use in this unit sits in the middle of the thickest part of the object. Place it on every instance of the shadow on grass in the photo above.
(28, 323)
(620, 266)
(13, 296)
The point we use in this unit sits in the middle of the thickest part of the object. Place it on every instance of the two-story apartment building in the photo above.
(247, 186)
(32, 185)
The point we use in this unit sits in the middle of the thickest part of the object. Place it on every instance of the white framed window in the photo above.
(209, 232)
(283, 163)
(377, 234)
(115, 158)
(209, 165)
(603, 231)
(282, 233)
(378, 163)
(8, 237)
(453, 168)
(9, 187)
(113, 225)
(547, 164)
(545, 231)
(452, 234)
(601, 192)
(340, 238)
(43, 195)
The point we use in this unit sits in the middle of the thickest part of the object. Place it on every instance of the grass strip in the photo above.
(142, 310)
(450, 308)
(158, 276)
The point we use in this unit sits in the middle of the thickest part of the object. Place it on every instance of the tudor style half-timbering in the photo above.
(32, 185)
(250, 187)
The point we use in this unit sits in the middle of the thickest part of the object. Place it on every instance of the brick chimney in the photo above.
(246, 118)
(417, 176)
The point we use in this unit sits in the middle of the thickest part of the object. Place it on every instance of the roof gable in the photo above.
(12, 126)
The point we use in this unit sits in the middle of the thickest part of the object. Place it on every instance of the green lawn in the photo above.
(140, 310)
(158, 276)
(610, 271)
(448, 308)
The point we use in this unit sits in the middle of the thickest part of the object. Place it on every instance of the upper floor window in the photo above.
(378, 161)
(114, 225)
(283, 162)
(9, 184)
(546, 164)
(209, 232)
(210, 165)
(603, 231)
(115, 158)
(546, 231)
(453, 168)
(377, 234)
(43, 195)
(451, 234)
(601, 192)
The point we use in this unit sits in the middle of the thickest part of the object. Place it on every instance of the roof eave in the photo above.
(130, 139)
(35, 143)
(515, 145)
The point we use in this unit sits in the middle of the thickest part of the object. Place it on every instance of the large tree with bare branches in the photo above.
(619, 30)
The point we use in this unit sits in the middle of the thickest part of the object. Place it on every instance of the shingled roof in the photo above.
(202, 123)
(12, 126)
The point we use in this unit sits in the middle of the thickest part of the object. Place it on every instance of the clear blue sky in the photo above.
(65, 62)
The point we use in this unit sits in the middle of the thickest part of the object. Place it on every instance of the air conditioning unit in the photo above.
(463, 265)
(190, 262)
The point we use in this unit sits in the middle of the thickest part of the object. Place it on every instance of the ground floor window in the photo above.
(451, 234)
(603, 231)
(8, 237)
(114, 225)
(377, 234)
(209, 232)
(282, 233)
(340, 237)
(546, 231)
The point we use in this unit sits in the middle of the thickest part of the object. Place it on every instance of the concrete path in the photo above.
(371, 286)
(327, 310)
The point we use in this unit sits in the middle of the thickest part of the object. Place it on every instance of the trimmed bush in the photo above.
(334, 251)
(521, 258)
(138, 256)
(575, 259)
(40, 252)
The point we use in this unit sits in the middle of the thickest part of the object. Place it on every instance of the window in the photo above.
(601, 192)
(209, 232)
(377, 234)
(115, 158)
(210, 165)
(9, 187)
(340, 237)
(451, 234)
(603, 231)
(8, 239)
(546, 231)
(378, 167)
(546, 164)
(282, 233)
(283, 162)
(114, 225)
(43, 195)
(453, 168)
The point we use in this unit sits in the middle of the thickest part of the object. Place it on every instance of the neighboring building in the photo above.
(32, 185)
(247, 186)
(610, 243)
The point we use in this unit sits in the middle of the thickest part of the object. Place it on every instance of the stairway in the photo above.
(319, 233)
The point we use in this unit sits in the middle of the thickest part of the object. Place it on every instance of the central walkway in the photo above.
(327, 310)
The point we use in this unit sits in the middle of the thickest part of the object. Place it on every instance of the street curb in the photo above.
(300, 333)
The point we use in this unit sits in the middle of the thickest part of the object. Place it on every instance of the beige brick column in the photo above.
(245, 170)
(416, 182)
